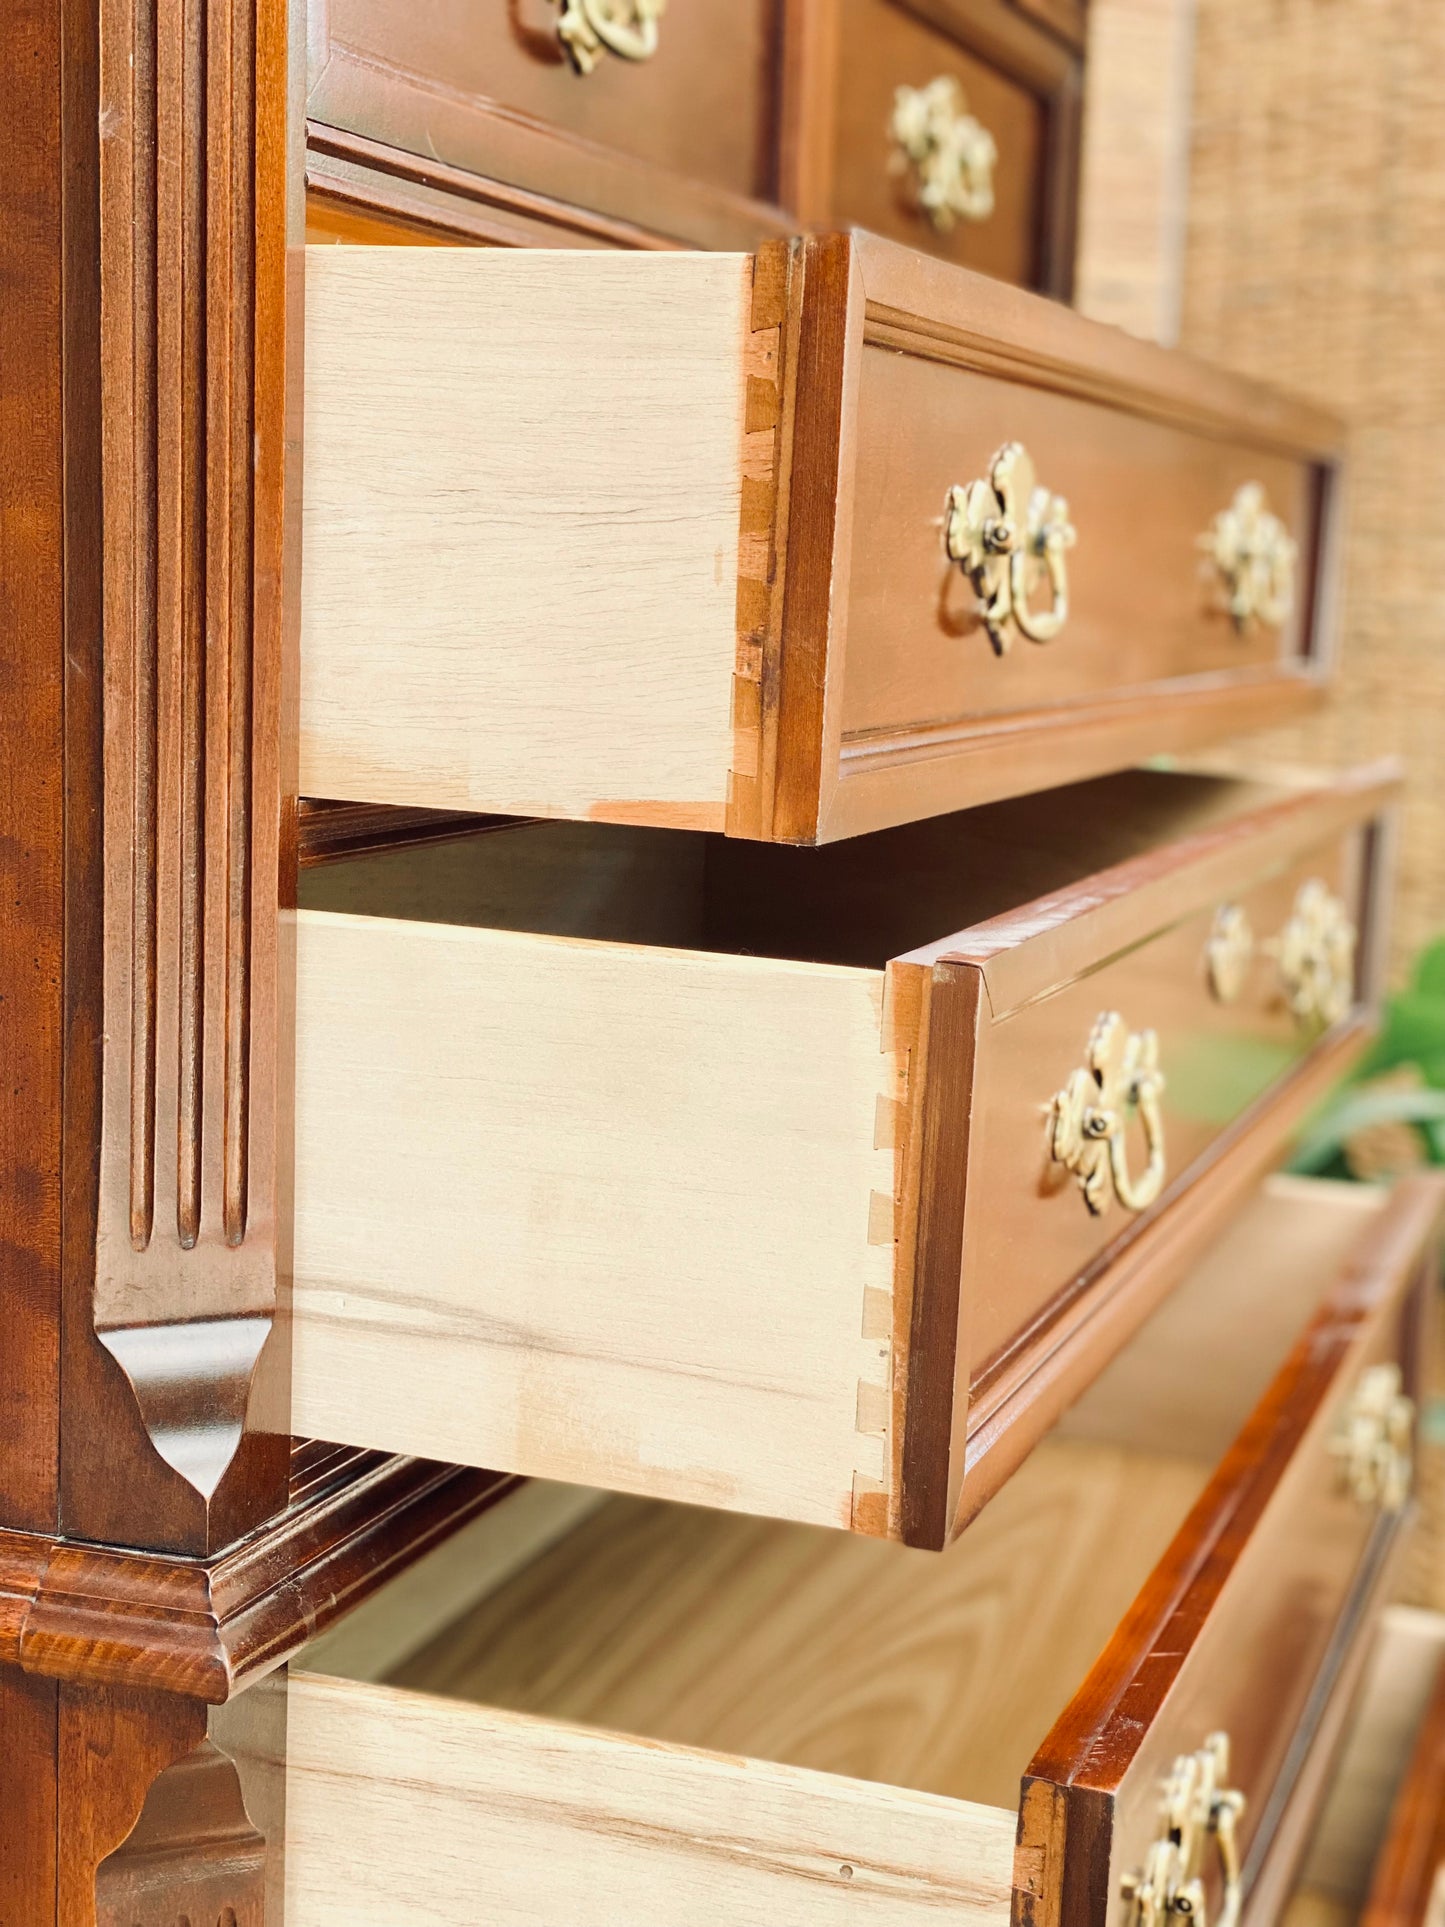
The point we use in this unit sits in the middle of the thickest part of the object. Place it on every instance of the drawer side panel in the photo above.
(406, 1808)
(593, 1213)
(522, 488)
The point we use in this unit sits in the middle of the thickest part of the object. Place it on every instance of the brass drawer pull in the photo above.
(1255, 556)
(1089, 1117)
(1196, 1808)
(949, 155)
(1315, 956)
(1228, 952)
(1005, 534)
(627, 28)
(1373, 1445)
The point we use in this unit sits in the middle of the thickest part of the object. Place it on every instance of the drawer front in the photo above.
(1049, 548)
(1253, 1616)
(877, 185)
(1028, 1228)
(1141, 494)
(494, 93)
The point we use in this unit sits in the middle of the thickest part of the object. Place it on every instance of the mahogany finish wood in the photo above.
(1409, 1875)
(204, 1629)
(1205, 1645)
(882, 701)
(47, 78)
(1017, 79)
(681, 147)
(179, 1004)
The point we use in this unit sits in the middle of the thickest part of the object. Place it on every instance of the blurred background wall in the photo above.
(1264, 182)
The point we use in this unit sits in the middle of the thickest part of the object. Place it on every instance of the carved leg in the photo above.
(169, 1812)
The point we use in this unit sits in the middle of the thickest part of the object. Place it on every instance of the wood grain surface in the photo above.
(536, 677)
(662, 1274)
(823, 1650)
(1385, 1730)
(401, 1806)
(684, 144)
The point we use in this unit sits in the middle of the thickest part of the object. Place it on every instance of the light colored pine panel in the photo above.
(522, 484)
(402, 1808)
(589, 1212)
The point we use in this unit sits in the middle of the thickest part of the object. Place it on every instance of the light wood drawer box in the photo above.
(1009, 211)
(722, 1173)
(661, 539)
(675, 1711)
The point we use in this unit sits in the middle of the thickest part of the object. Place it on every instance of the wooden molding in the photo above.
(205, 1628)
(189, 998)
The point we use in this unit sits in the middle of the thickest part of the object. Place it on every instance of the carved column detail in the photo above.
(193, 1856)
(193, 272)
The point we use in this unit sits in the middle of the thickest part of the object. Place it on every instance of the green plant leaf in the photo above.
(1355, 1110)
(1430, 971)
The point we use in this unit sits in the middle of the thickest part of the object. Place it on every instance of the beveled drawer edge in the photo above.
(1027, 955)
(894, 778)
(1014, 334)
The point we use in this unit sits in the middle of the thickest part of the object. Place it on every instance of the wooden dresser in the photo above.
(621, 1022)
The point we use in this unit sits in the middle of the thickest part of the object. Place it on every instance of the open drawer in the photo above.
(1376, 1854)
(722, 1173)
(672, 1714)
(699, 541)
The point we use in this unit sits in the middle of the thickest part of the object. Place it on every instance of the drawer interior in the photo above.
(855, 904)
(855, 1657)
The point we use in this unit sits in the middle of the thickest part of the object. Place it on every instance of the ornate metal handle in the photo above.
(1373, 1446)
(627, 28)
(1006, 534)
(1228, 952)
(948, 154)
(1254, 555)
(1315, 954)
(1197, 1807)
(1089, 1117)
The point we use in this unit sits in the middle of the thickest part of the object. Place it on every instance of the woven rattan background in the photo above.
(1315, 257)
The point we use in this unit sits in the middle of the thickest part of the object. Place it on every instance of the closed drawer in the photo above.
(664, 127)
(665, 539)
(956, 131)
(696, 1169)
(673, 1710)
